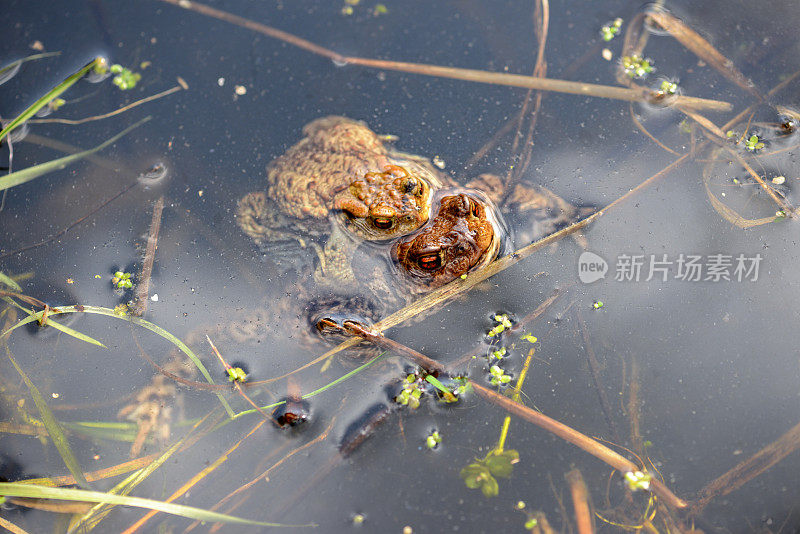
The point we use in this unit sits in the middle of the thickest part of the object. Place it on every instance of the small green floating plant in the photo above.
(498, 376)
(122, 280)
(611, 29)
(636, 66)
(433, 440)
(668, 87)
(411, 392)
(236, 374)
(481, 473)
(753, 143)
(124, 78)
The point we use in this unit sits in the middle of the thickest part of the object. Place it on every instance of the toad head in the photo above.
(386, 205)
(459, 238)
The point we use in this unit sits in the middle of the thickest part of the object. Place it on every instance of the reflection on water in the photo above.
(694, 374)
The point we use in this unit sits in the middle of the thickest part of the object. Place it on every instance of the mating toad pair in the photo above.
(343, 184)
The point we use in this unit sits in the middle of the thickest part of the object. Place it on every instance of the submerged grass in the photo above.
(26, 175)
(51, 424)
(52, 94)
(14, 489)
(138, 321)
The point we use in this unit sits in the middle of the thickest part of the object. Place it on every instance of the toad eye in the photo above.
(382, 223)
(474, 209)
(429, 262)
(411, 186)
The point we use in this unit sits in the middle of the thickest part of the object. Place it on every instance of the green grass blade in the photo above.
(93, 517)
(26, 175)
(55, 92)
(124, 435)
(7, 280)
(52, 426)
(74, 333)
(33, 316)
(11, 489)
(316, 391)
(131, 319)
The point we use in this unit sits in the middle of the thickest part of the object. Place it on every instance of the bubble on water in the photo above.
(99, 73)
(339, 61)
(154, 175)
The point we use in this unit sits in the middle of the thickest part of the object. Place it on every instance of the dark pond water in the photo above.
(716, 363)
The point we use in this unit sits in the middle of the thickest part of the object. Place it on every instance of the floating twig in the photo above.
(557, 428)
(594, 369)
(143, 285)
(494, 78)
(749, 469)
(181, 86)
(584, 519)
(695, 43)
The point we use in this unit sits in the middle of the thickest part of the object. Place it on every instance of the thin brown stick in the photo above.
(495, 78)
(780, 201)
(749, 469)
(264, 475)
(541, 21)
(542, 13)
(634, 408)
(272, 453)
(531, 82)
(594, 369)
(491, 143)
(542, 524)
(182, 85)
(194, 480)
(719, 136)
(695, 43)
(584, 519)
(143, 285)
(561, 430)
(648, 134)
(70, 226)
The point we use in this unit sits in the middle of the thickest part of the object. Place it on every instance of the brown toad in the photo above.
(340, 184)
(467, 233)
(462, 236)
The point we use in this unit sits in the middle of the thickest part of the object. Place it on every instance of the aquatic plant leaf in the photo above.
(74, 333)
(50, 322)
(490, 487)
(53, 93)
(53, 427)
(7, 280)
(473, 475)
(502, 464)
(26, 175)
(12, 489)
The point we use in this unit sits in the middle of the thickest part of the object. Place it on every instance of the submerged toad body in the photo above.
(340, 184)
